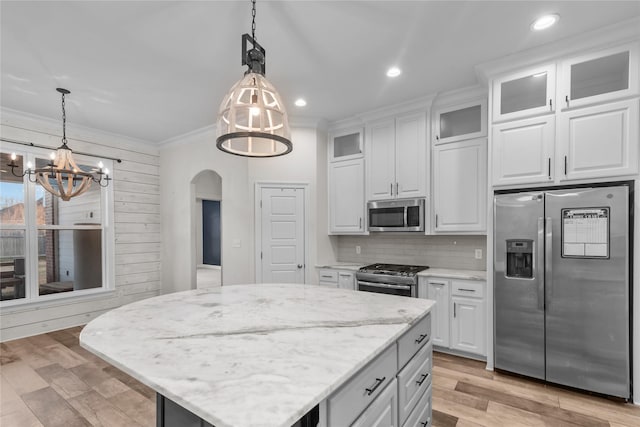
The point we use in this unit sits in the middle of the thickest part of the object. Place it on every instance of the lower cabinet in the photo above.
(334, 278)
(393, 390)
(459, 316)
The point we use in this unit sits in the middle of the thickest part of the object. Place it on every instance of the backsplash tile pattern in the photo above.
(434, 251)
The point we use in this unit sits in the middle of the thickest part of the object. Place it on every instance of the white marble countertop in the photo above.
(251, 355)
(343, 266)
(450, 273)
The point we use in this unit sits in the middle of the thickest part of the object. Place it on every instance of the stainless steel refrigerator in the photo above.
(562, 296)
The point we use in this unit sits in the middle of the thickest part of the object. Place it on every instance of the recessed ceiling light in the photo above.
(393, 72)
(545, 22)
(300, 102)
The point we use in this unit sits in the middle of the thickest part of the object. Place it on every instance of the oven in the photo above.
(390, 279)
(388, 288)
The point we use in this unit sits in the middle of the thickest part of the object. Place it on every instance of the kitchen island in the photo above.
(266, 355)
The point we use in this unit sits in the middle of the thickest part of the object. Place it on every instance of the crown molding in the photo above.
(458, 96)
(417, 104)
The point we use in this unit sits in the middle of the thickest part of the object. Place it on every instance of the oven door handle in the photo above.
(385, 285)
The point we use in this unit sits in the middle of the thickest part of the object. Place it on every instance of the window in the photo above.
(50, 248)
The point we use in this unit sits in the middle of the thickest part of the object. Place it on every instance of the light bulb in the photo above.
(52, 156)
(545, 22)
(106, 172)
(100, 165)
(255, 111)
(29, 165)
(13, 156)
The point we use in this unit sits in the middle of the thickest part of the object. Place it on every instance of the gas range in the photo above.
(396, 279)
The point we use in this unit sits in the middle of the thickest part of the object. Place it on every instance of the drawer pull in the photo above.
(426, 423)
(466, 290)
(421, 338)
(375, 386)
(422, 379)
(327, 277)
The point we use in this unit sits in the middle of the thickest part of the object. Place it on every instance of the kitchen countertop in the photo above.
(251, 355)
(448, 273)
(343, 266)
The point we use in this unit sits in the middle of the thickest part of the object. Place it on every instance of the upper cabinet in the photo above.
(346, 197)
(460, 122)
(396, 154)
(525, 93)
(589, 132)
(599, 77)
(346, 144)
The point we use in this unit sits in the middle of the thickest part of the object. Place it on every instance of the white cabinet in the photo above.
(599, 77)
(599, 141)
(337, 278)
(459, 317)
(460, 122)
(523, 150)
(460, 186)
(525, 93)
(467, 325)
(347, 280)
(438, 290)
(397, 157)
(346, 144)
(346, 197)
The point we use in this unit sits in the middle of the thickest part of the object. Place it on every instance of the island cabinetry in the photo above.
(459, 316)
(391, 389)
(590, 131)
(396, 153)
(460, 186)
(346, 197)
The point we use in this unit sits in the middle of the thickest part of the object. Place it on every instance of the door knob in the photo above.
(299, 265)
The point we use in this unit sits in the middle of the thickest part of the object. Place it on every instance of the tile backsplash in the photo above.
(434, 251)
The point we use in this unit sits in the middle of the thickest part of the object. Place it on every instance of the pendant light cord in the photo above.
(64, 123)
(253, 22)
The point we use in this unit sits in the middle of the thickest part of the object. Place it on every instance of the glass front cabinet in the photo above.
(346, 144)
(460, 122)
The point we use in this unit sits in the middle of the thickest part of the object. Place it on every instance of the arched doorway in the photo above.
(207, 233)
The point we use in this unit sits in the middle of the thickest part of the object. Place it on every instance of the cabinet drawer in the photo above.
(413, 340)
(467, 289)
(346, 404)
(421, 415)
(328, 276)
(413, 380)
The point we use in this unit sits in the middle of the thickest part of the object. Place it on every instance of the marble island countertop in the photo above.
(251, 355)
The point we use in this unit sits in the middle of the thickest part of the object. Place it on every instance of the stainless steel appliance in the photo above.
(392, 279)
(396, 215)
(562, 296)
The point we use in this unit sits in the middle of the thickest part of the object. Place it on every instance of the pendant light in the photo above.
(62, 177)
(252, 120)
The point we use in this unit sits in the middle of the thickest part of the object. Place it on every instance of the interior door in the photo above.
(519, 283)
(587, 289)
(282, 235)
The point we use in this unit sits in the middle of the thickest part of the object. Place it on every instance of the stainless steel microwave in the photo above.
(396, 215)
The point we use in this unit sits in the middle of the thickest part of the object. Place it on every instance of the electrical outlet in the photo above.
(478, 253)
(358, 250)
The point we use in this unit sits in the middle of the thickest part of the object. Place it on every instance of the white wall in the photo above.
(181, 160)
(136, 194)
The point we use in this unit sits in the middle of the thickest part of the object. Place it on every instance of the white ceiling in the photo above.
(157, 69)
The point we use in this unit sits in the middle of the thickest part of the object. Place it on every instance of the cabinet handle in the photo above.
(454, 309)
(566, 98)
(360, 223)
(437, 138)
(551, 105)
(396, 188)
(466, 290)
(426, 423)
(327, 277)
(375, 386)
(436, 220)
(391, 188)
(421, 338)
(423, 377)
(565, 165)
(549, 167)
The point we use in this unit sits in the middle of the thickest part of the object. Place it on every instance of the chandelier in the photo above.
(62, 176)
(252, 120)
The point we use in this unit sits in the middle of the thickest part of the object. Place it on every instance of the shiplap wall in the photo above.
(137, 246)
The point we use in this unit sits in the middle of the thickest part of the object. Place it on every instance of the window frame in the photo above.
(31, 228)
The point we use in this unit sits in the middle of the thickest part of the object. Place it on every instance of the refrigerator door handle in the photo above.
(548, 259)
(539, 264)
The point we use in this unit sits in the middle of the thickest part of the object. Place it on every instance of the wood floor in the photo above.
(49, 380)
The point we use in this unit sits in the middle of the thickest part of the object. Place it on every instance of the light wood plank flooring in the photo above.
(49, 380)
